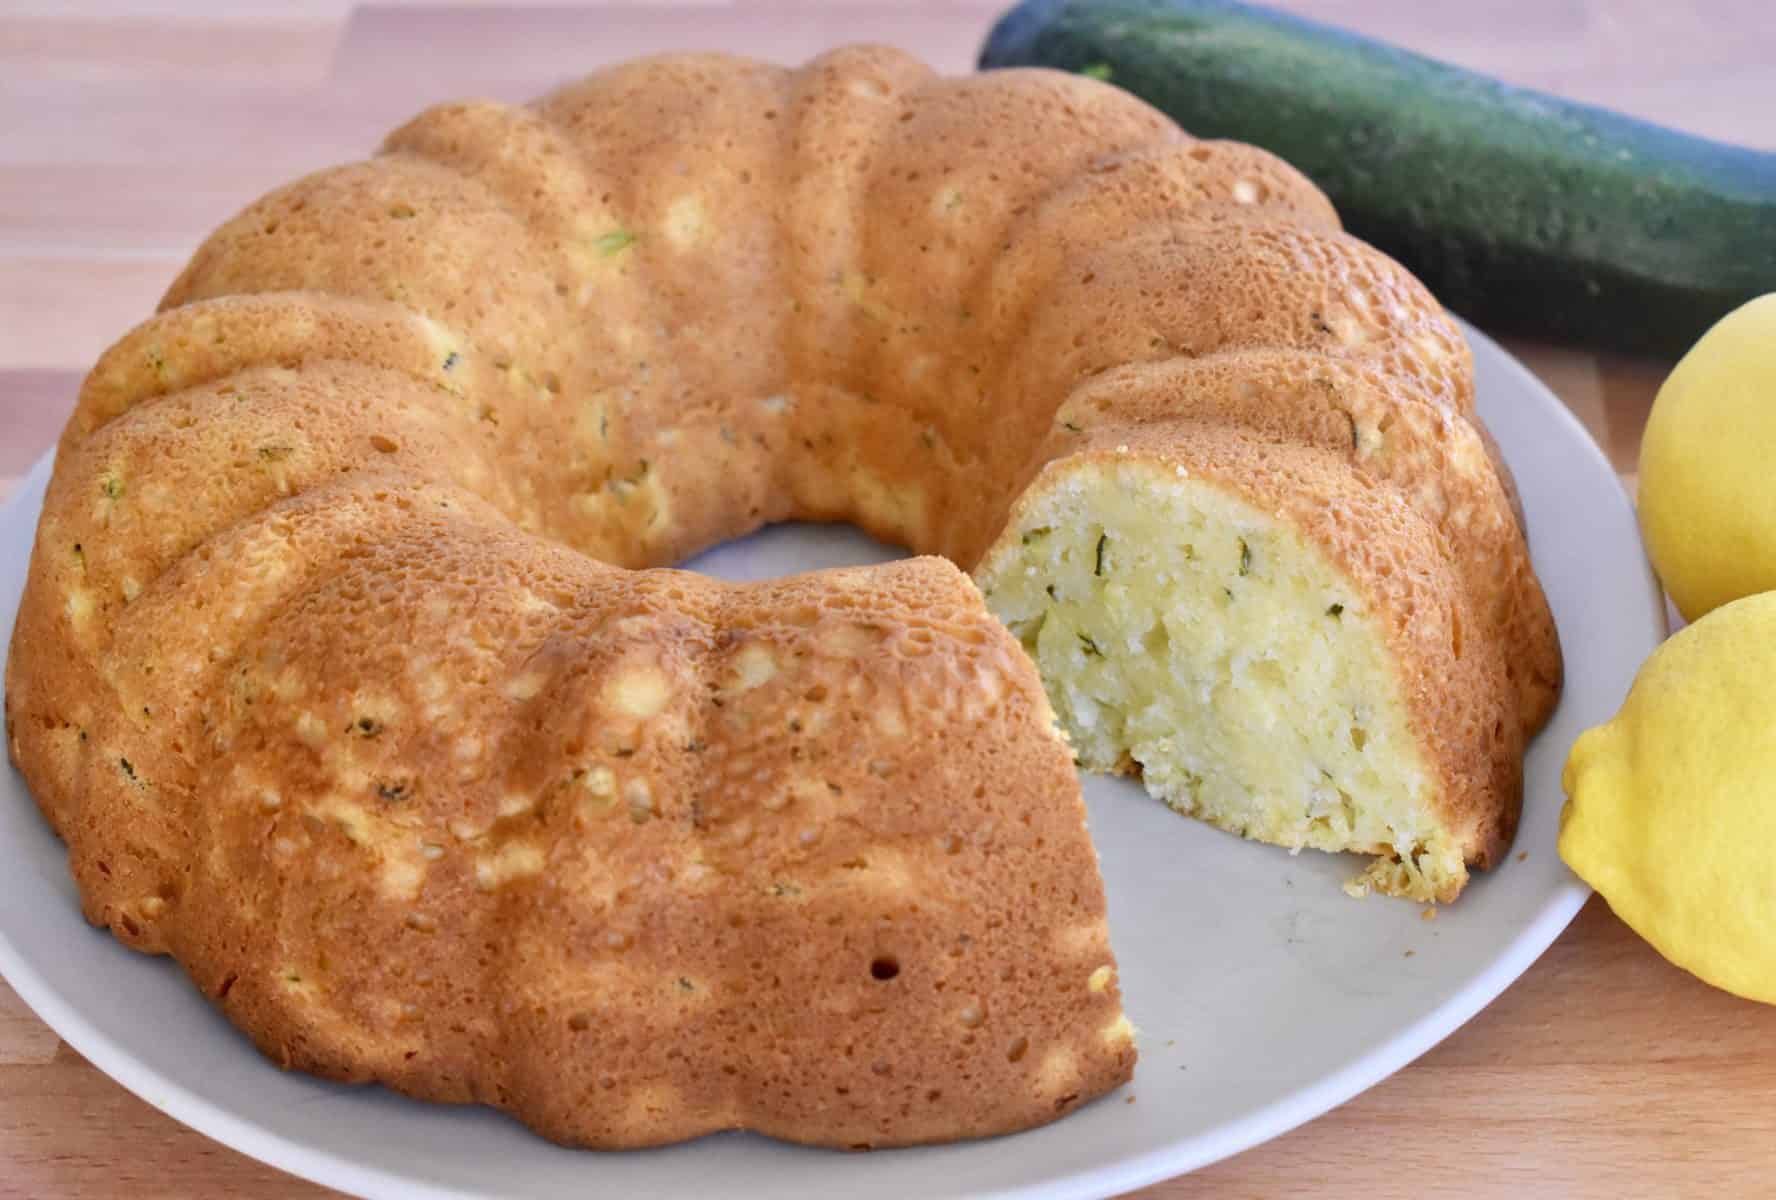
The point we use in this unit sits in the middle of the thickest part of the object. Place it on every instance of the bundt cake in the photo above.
(339, 670)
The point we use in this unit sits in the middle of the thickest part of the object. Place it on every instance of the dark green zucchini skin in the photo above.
(1521, 211)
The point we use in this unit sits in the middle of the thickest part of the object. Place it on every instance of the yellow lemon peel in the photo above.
(1708, 466)
(1671, 805)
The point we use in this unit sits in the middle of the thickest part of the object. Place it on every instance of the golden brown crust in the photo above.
(622, 863)
(301, 666)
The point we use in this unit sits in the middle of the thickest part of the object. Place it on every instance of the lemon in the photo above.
(1671, 806)
(1708, 465)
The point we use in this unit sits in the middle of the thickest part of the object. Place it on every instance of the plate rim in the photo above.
(1190, 1152)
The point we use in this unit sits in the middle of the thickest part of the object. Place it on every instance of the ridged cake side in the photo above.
(416, 798)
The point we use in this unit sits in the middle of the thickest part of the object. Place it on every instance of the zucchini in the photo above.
(1522, 211)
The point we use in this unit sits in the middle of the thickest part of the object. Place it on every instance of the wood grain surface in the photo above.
(128, 128)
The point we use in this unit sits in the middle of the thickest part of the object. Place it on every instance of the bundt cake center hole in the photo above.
(790, 548)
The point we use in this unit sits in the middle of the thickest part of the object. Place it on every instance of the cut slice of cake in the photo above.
(1206, 615)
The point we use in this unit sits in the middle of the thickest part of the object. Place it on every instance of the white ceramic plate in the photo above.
(1263, 994)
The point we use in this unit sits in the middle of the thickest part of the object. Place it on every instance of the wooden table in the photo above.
(130, 127)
